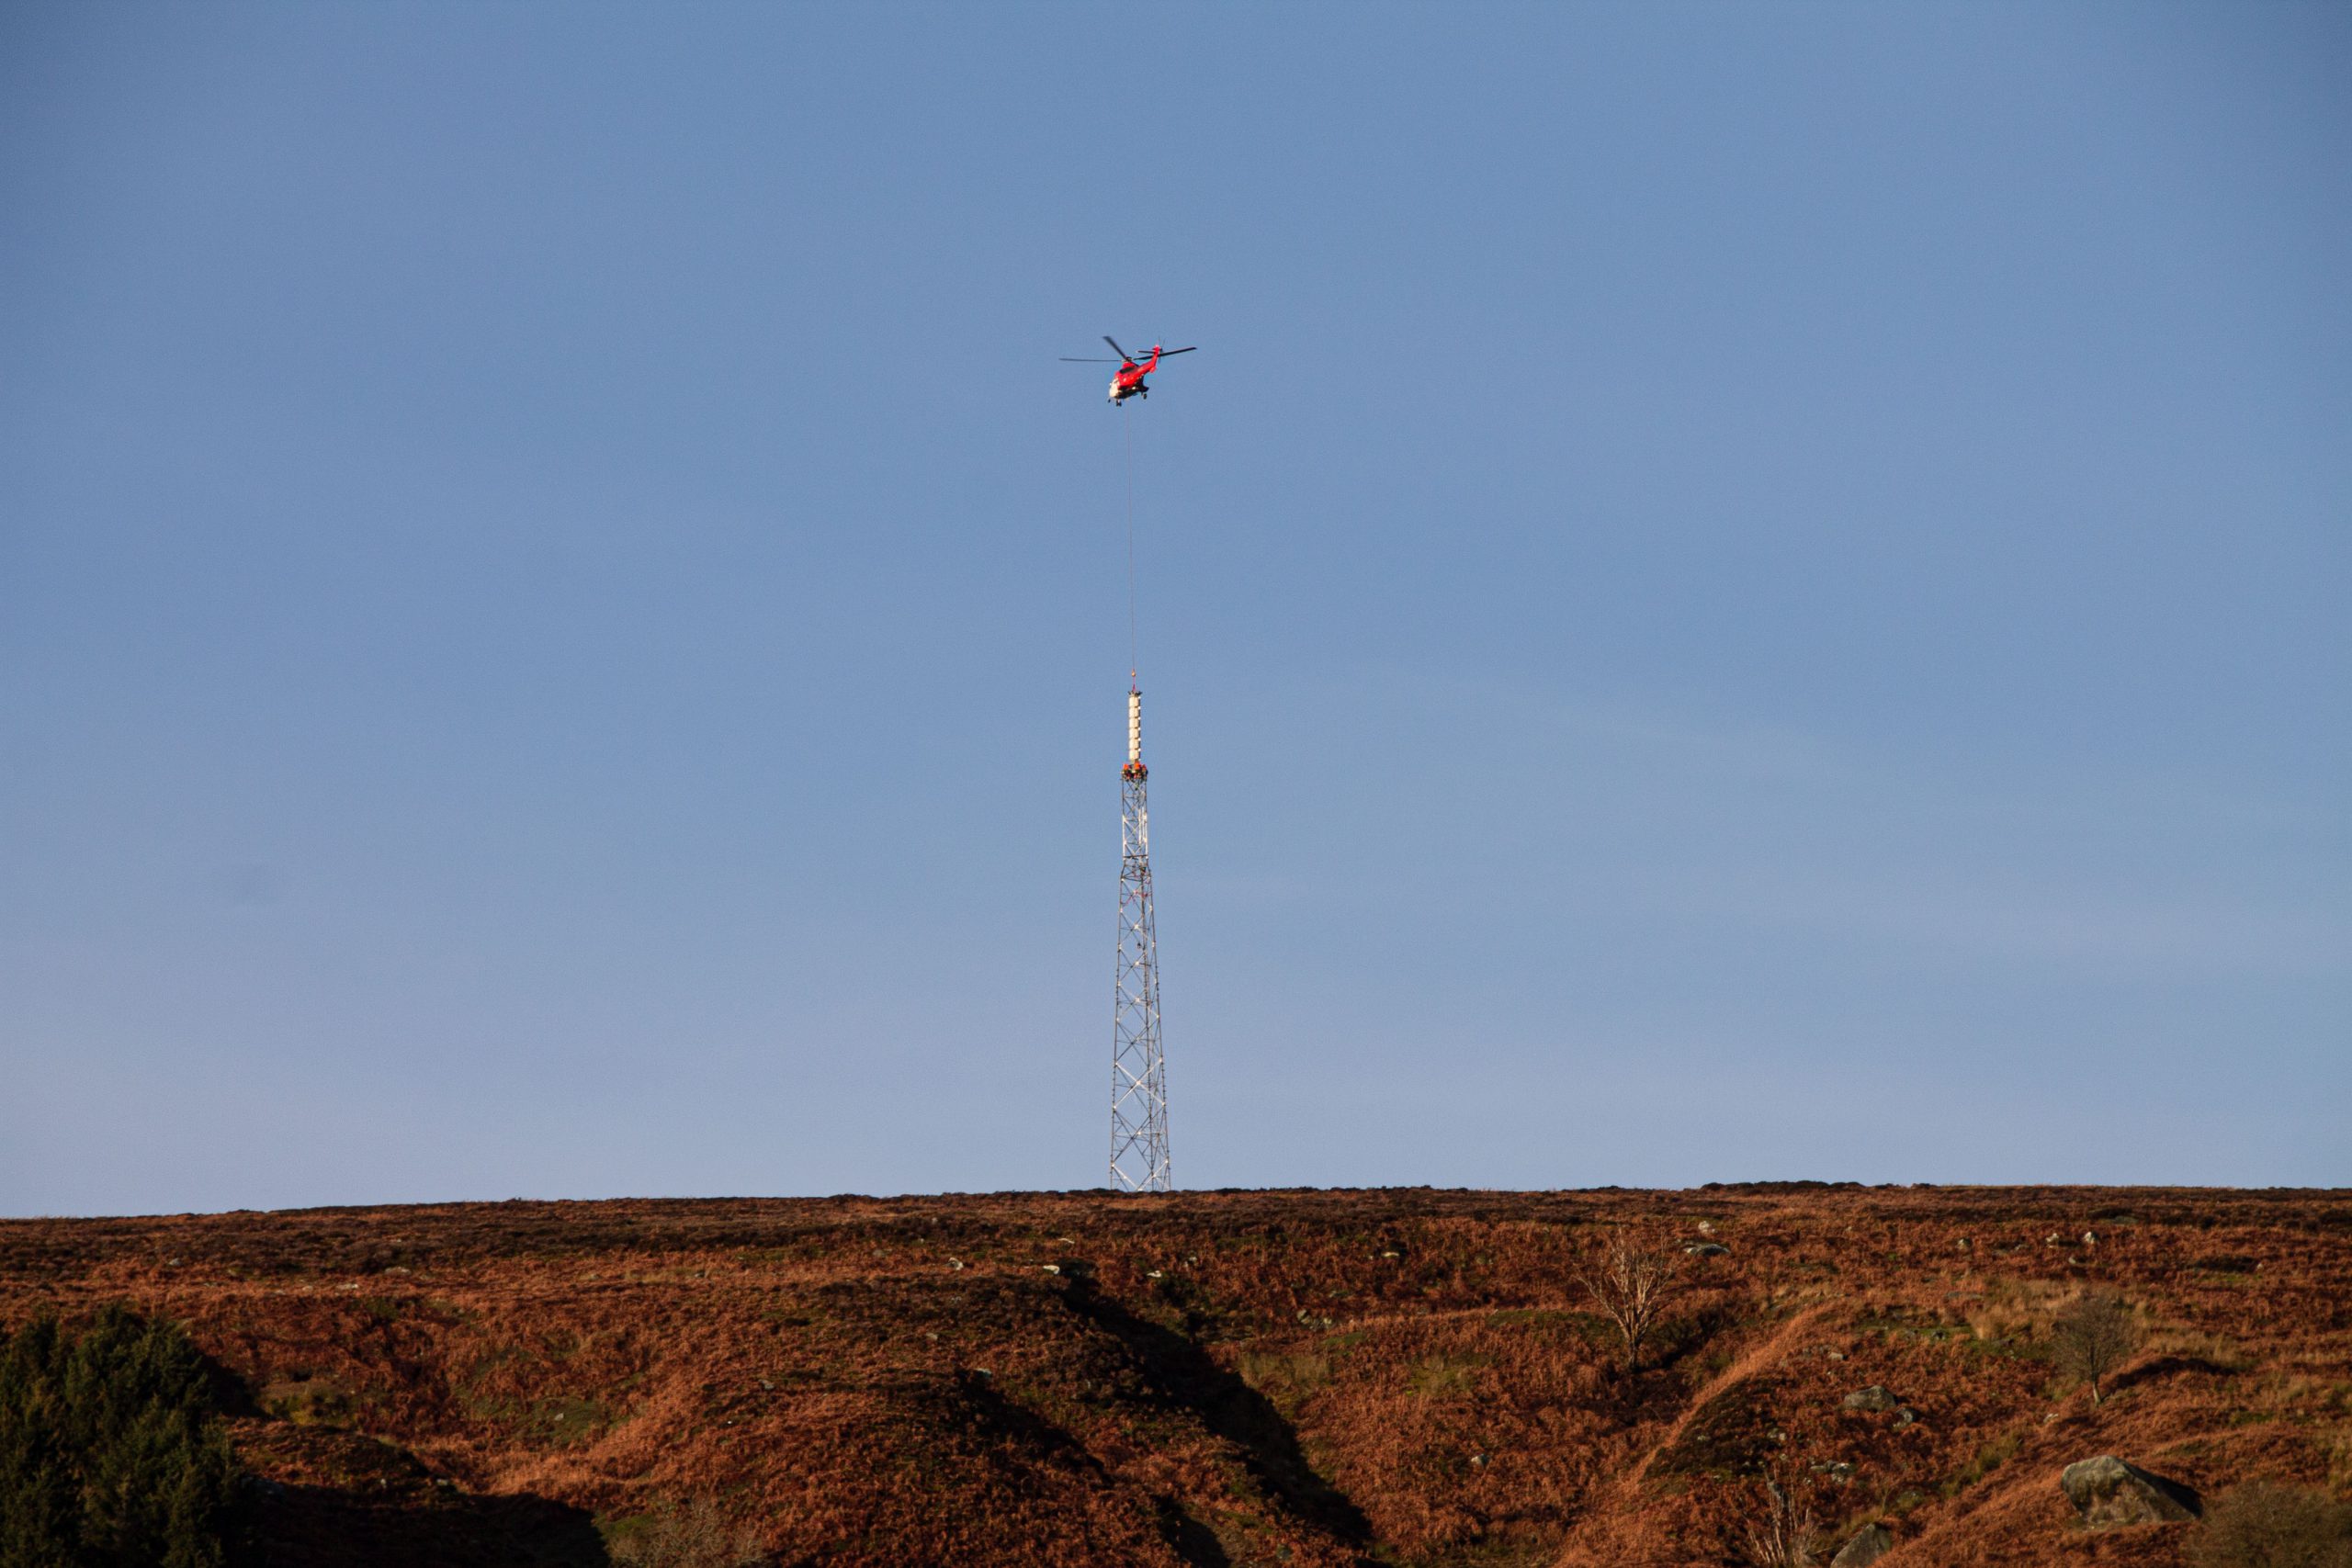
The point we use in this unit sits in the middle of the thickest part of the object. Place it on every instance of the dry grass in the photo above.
(2019, 1310)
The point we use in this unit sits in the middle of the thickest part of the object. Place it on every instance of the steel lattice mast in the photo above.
(1138, 1072)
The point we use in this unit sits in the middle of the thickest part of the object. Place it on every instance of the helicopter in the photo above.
(1129, 380)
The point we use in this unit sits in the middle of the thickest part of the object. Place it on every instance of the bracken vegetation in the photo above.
(1298, 1380)
(2265, 1524)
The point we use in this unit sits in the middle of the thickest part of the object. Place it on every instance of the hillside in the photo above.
(1301, 1378)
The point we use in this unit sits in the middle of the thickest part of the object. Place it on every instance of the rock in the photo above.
(2106, 1491)
(1869, 1544)
(1706, 1227)
(1708, 1249)
(1904, 1415)
(1872, 1398)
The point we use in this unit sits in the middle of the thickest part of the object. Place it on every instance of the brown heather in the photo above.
(1308, 1378)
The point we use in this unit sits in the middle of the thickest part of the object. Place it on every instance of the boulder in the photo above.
(1869, 1544)
(2106, 1490)
(1872, 1398)
(1708, 1249)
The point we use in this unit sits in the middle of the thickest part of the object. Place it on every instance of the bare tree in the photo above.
(1631, 1285)
(2092, 1335)
(1783, 1534)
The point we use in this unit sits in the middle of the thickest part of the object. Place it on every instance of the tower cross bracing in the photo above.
(1138, 1072)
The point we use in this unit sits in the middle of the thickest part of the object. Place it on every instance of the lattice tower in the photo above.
(1138, 1071)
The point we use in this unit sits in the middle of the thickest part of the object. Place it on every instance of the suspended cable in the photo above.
(1127, 442)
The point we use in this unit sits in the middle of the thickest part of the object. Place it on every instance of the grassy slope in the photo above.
(1302, 1378)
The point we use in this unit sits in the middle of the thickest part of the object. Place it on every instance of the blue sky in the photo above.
(1734, 593)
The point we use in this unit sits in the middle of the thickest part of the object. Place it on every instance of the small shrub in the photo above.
(1781, 1532)
(112, 1452)
(2263, 1525)
(696, 1536)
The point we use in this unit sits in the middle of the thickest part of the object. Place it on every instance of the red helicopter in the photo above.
(1128, 382)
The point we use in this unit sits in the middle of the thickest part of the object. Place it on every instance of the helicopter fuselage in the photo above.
(1129, 381)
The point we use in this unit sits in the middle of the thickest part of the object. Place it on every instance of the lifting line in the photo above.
(1127, 442)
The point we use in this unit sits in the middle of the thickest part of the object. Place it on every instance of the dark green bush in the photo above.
(112, 1452)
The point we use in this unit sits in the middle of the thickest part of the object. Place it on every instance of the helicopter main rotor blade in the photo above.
(1166, 352)
(1122, 353)
(1068, 360)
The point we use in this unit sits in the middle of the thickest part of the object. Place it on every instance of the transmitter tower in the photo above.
(1138, 1072)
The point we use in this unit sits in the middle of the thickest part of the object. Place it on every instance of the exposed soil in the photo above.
(1304, 1379)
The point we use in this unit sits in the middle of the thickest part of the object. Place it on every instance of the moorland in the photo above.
(1299, 1378)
